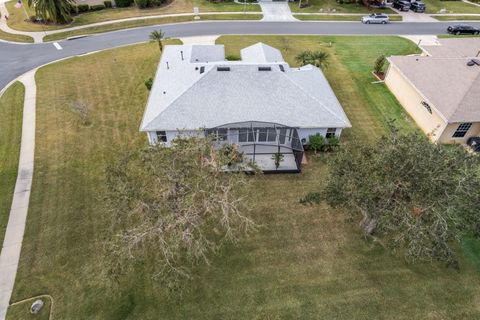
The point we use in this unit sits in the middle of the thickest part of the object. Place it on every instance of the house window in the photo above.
(161, 136)
(330, 133)
(282, 135)
(245, 135)
(462, 130)
(262, 134)
(272, 135)
(427, 106)
(222, 134)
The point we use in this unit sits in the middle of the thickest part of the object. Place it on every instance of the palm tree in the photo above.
(157, 36)
(304, 57)
(58, 11)
(316, 58)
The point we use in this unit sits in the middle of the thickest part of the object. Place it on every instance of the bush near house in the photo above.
(83, 8)
(123, 3)
(108, 4)
(97, 7)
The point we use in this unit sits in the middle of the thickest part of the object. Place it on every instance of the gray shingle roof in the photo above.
(260, 53)
(184, 98)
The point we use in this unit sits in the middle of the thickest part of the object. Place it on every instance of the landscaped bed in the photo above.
(303, 262)
(11, 109)
(17, 18)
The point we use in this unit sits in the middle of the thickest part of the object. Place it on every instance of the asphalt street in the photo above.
(16, 59)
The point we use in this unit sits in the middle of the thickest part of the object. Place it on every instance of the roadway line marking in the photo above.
(57, 46)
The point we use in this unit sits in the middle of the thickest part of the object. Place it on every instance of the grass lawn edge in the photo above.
(11, 107)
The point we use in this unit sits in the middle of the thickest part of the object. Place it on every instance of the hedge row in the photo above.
(120, 4)
(85, 7)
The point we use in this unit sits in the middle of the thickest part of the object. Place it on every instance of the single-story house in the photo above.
(259, 102)
(440, 89)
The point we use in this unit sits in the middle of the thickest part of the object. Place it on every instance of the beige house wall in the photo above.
(446, 137)
(431, 123)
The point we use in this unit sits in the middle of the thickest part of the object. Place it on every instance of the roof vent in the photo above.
(223, 68)
(202, 69)
(264, 68)
(473, 62)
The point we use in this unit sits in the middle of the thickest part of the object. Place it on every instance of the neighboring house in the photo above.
(258, 103)
(439, 90)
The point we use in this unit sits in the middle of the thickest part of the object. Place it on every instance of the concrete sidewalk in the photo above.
(12, 244)
(37, 36)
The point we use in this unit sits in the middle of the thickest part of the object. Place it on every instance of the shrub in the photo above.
(379, 65)
(141, 4)
(316, 142)
(232, 57)
(332, 144)
(97, 7)
(155, 3)
(83, 8)
(108, 4)
(123, 3)
(148, 83)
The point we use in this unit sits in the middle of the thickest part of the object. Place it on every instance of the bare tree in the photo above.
(173, 207)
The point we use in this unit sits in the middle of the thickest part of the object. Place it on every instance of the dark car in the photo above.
(417, 6)
(462, 29)
(401, 5)
(474, 143)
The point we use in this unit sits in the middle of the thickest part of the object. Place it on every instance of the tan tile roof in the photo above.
(454, 48)
(444, 78)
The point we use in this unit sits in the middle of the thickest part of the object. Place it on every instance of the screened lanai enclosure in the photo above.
(271, 147)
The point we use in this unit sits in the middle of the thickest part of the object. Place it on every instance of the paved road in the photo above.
(18, 59)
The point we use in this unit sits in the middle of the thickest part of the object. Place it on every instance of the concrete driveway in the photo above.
(410, 16)
(276, 11)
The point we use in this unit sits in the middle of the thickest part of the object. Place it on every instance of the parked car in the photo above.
(462, 29)
(417, 6)
(474, 143)
(401, 5)
(376, 18)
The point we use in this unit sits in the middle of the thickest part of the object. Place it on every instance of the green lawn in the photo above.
(338, 17)
(328, 5)
(11, 109)
(15, 37)
(434, 6)
(147, 22)
(456, 18)
(17, 19)
(304, 262)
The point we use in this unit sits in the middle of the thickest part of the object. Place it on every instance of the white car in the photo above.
(376, 18)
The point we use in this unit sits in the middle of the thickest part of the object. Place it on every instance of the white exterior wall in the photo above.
(304, 133)
(152, 135)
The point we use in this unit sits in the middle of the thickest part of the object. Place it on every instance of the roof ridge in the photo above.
(179, 96)
(467, 92)
(314, 98)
